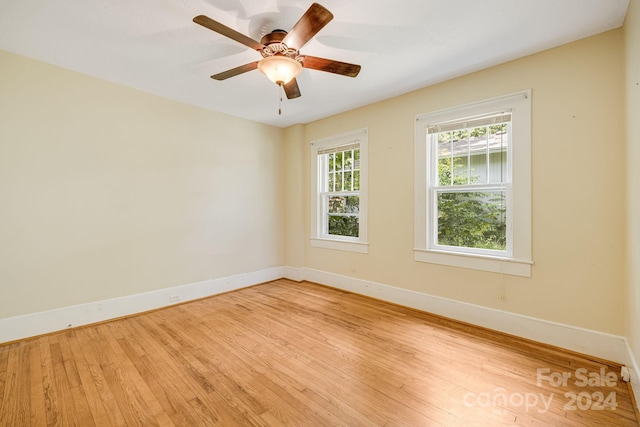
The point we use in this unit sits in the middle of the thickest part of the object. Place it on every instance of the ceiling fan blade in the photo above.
(235, 71)
(313, 20)
(227, 32)
(330, 66)
(292, 90)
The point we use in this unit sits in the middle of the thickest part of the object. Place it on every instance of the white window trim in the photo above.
(343, 243)
(519, 261)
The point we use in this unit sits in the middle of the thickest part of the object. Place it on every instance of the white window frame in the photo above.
(516, 260)
(319, 238)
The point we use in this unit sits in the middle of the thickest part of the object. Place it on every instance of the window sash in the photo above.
(484, 188)
(326, 173)
(434, 188)
(485, 150)
(327, 193)
(325, 197)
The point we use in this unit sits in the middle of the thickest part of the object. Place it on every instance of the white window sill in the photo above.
(475, 262)
(340, 245)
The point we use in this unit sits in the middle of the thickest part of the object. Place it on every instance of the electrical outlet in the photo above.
(174, 298)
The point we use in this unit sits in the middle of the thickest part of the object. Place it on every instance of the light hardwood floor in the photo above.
(286, 353)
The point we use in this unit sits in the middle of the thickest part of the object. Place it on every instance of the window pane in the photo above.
(338, 181)
(444, 159)
(332, 182)
(338, 161)
(344, 204)
(356, 180)
(478, 163)
(460, 147)
(356, 158)
(343, 215)
(348, 160)
(348, 181)
(352, 204)
(498, 141)
(444, 171)
(478, 133)
(472, 219)
(478, 138)
(344, 225)
(331, 161)
(498, 167)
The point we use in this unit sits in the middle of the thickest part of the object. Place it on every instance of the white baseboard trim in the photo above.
(599, 344)
(29, 325)
(631, 363)
(595, 343)
(294, 273)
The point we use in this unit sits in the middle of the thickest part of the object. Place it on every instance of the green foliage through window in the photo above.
(472, 219)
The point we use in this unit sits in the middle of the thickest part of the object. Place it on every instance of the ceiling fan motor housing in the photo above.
(273, 45)
(275, 36)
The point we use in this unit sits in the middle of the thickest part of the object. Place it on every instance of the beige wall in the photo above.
(578, 188)
(632, 54)
(295, 189)
(106, 191)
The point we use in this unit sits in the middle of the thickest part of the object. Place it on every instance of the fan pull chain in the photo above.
(280, 90)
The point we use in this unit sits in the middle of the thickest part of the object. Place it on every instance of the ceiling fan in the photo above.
(281, 59)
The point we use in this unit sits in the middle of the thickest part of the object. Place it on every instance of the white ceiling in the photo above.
(402, 45)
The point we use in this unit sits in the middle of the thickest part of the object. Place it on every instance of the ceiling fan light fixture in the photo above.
(280, 69)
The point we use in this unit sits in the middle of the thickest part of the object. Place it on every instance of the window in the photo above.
(473, 186)
(339, 192)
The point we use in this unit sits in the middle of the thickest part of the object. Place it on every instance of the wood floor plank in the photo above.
(60, 380)
(16, 383)
(49, 387)
(37, 401)
(287, 353)
(4, 377)
(81, 407)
